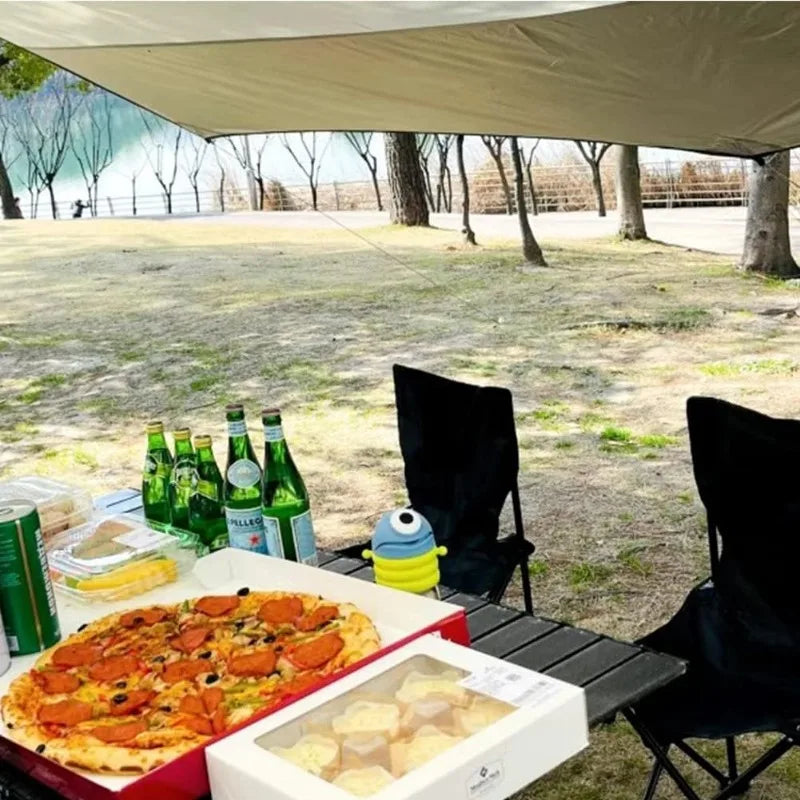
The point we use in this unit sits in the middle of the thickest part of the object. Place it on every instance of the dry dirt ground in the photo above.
(107, 324)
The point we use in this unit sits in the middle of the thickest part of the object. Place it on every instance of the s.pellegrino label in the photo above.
(272, 532)
(273, 433)
(303, 535)
(244, 473)
(246, 529)
(237, 427)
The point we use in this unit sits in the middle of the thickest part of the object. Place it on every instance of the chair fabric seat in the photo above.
(743, 676)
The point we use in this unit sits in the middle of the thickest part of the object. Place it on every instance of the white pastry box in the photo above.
(427, 721)
(398, 617)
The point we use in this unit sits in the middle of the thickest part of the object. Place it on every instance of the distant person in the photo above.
(78, 205)
(16, 211)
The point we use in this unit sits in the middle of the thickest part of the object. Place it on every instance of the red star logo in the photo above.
(254, 539)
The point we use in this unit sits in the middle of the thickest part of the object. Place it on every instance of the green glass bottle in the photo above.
(207, 501)
(284, 498)
(156, 475)
(180, 483)
(242, 486)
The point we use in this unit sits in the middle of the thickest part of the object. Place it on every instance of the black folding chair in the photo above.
(740, 629)
(459, 445)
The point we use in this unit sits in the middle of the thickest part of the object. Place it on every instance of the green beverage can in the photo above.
(27, 602)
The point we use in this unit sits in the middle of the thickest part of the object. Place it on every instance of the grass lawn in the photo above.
(107, 324)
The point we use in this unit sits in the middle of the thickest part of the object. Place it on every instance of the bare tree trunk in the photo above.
(133, 194)
(374, 173)
(469, 234)
(532, 192)
(406, 183)
(597, 184)
(767, 247)
(313, 194)
(10, 209)
(501, 171)
(53, 206)
(222, 191)
(530, 247)
(629, 193)
(196, 198)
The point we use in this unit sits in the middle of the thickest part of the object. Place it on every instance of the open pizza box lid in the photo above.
(428, 720)
(398, 617)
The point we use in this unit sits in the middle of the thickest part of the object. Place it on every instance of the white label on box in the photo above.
(484, 779)
(143, 539)
(505, 682)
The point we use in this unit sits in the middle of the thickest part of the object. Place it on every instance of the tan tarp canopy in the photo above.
(708, 76)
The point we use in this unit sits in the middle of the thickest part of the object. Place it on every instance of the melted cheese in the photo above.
(419, 685)
(368, 717)
(312, 753)
(363, 782)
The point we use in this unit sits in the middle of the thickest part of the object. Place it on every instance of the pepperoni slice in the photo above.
(313, 654)
(192, 704)
(142, 616)
(218, 720)
(317, 618)
(123, 732)
(198, 725)
(76, 655)
(113, 668)
(191, 639)
(217, 605)
(65, 712)
(184, 670)
(212, 699)
(133, 700)
(253, 665)
(280, 610)
(55, 682)
(300, 683)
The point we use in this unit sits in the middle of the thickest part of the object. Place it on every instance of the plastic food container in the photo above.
(60, 505)
(366, 739)
(116, 557)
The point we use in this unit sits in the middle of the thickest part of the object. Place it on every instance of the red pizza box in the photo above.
(399, 617)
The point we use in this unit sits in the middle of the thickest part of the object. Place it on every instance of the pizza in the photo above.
(131, 691)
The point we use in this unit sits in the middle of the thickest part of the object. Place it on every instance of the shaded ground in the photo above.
(109, 323)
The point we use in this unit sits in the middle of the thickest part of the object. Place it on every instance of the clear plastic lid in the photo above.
(371, 736)
(60, 505)
(113, 557)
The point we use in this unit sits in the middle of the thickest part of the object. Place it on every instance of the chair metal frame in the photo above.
(732, 783)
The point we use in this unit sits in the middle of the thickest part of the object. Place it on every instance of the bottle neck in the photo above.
(156, 441)
(183, 447)
(205, 455)
(273, 430)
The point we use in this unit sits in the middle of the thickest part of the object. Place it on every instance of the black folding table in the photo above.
(614, 674)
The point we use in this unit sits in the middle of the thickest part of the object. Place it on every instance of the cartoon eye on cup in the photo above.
(406, 522)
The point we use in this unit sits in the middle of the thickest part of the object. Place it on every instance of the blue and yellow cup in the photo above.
(404, 552)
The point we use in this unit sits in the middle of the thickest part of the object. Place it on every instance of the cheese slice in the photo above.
(366, 716)
(313, 753)
(419, 685)
(428, 742)
(363, 782)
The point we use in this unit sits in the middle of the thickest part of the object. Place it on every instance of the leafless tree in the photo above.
(308, 161)
(494, 144)
(360, 141)
(193, 163)
(42, 129)
(444, 185)
(469, 234)
(530, 247)
(221, 167)
(165, 140)
(92, 143)
(527, 158)
(8, 157)
(593, 153)
(767, 246)
(629, 193)
(242, 152)
(425, 149)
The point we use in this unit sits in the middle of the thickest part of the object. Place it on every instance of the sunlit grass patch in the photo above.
(764, 366)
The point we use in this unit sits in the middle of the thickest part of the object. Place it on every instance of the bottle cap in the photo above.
(182, 434)
(202, 440)
(156, 426)
(234, 407)
(270, 412)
